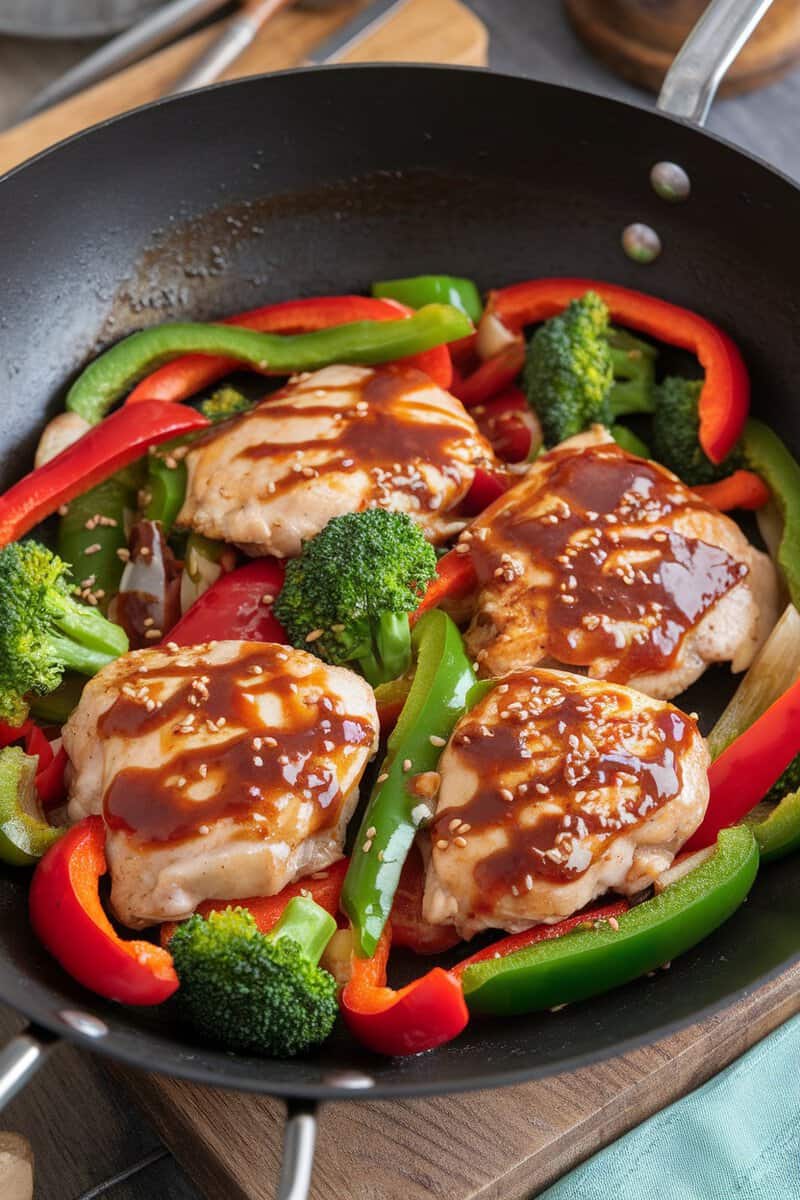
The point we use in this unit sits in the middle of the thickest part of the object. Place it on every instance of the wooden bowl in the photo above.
(639, 39)
(70, 18)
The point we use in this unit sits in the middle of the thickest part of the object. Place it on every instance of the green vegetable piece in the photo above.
(255, 992)
(583, 964)
(766, 454)
(629, 441)
(166, 486)
(675, 429)
(25, 835)
(357, 581)
(80, 531)
(56, 707)
(116, 371)
(789, 781)
(438, 697)
(779, 834)
(419, 290)
(580, 372)
(224, 403)
(44, 630)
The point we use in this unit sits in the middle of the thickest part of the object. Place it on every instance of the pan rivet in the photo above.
(353, 1080)
(641, 243)
(84, 1023)
(670, 182)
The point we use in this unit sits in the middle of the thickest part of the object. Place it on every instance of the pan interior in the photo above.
(292, 185)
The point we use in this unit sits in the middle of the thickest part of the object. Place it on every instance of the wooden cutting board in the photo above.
(442, 31)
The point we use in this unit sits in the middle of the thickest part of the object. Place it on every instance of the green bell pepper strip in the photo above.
(24, 834)
(115, 372)
(765, 453)
(97, 519)
(419, 290)
(650, 934)
(166, 488)
(436, 700)
(779, 833)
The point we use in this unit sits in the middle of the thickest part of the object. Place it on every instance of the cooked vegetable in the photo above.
(68, 918)
(25, 835)
(240, 605)
(742, 489)
(779, 833)
(726, 392)
(674, 438)
(121, 439)
(226, 402)
(765, 453)
(774, 669)
(115, 372)
(96, 521)
(418, 1017)
(44, 630)
(348, 595)
(190, 374)
(587, 963)
(492, 377)
(165, 485)
(629, 441)
(401, 802)
(257, 992)
(579, 372)
(420, 290)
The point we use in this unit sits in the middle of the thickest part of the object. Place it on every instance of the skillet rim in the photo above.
(252, 1082)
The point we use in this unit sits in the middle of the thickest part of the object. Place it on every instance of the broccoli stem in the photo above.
(79, 658)
(307, 924)
(86, 631)
(632, 390)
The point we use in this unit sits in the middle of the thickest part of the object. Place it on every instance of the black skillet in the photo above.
(321, 181)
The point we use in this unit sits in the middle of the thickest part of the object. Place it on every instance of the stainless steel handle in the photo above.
(20, 1060)
(239, 33)
(692, 81)
(298, 1152)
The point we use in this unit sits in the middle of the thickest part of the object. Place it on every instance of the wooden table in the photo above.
(84, 1126)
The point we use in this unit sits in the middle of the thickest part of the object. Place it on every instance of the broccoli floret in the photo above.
(225, 402)
(579, 371)
(44, 630)
(674, 439)
(356, 582)
(256, 992)
(788, 782)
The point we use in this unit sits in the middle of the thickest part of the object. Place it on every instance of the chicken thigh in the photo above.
(222, 771)
(338, 441)
(601, 560)
(554, 789)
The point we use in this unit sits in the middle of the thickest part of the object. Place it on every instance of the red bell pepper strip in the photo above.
(409, 928)
(186, 376)
(69, 920)
(268, 910)
(742, 489)
(424, 1014)
(237, 606)
(725, 397)
(540, 933)
(49, 778)
(484, 490)
(122, 437)
(455, 579)
(742, 774)
(492, 377)
(509, 423)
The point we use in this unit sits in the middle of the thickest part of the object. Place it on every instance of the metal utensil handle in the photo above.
(298, 1152)
(691, 82)
(20, 1060)
(239, 33)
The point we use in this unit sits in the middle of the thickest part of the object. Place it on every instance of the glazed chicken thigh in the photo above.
(554, 789)
(337, 441)
(222, 771)
(607, 562)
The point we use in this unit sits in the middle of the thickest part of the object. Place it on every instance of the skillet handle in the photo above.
(20, 1059)
(699, 66)
(298, 1151)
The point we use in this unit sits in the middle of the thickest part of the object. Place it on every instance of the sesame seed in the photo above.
(202, 770)
(63, 509)
(407, 764)
(267, 598)
(461, 841)
(382, 778)
(506, 794)
(123, 555)
(314, 635)
(255, 669)
(93, 549)
(203, 829)
(435, 740)
(153, 634)
(258, 761)
(614, 923)
(442, 844)
(148, 621)
(181, 781)
(367, 846)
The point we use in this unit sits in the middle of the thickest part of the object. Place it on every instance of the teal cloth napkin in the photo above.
(735, 1138)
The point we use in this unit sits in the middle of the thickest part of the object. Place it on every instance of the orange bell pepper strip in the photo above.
(742, 489)
(324, 888)
(69, 920)
(740, 777)
(455, 579)
(420, 1016)
(104, 449)
(492, 377)
(725, 398)
(185, 377)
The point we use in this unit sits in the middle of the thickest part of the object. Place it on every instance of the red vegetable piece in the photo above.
(409, 927)
(492, 377)
(455, 579)
(235, 607)
(742, 489)
(69, 920)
